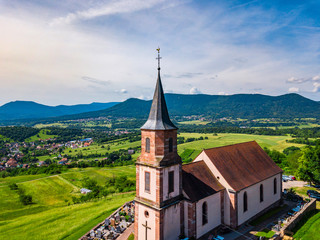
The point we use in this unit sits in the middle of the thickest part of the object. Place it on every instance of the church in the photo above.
(223, 186)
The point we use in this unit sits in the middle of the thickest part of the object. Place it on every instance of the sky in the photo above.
(82, 51)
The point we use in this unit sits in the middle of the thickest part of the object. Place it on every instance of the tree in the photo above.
(309, 165)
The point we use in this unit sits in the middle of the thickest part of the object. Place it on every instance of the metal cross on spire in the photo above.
(158, 58)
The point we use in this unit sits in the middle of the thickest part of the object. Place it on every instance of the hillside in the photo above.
(248, 106)
(27, 109)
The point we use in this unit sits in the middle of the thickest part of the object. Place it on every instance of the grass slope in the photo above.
(54, 190)
(49, 217)
(99, 174)
(68, 222)
(43, 134)
(310, 230)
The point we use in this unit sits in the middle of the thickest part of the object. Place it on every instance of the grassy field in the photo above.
(40, 125)
(50, 216)
(310, 230)
(99, 174)
(195, 122)
(223, 139)
(66, 222)
(43, 134)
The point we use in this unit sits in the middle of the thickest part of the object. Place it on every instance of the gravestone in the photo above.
(118, 229)
(99, 233)
(92, 234)
(107, 222)
(123, 224)
(118, 218)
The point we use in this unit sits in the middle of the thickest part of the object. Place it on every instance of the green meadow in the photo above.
(309, 230)
(43, 134)
(51, 216)
(222, 139)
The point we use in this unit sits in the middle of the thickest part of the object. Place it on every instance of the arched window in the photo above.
(275, 186)
(204, 213)
(245, 202)
(147, 145)
(261, 193)
(170, 144)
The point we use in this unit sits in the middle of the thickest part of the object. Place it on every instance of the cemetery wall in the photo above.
(295, 219)
(87, 235)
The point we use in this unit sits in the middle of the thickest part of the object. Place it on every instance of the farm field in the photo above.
(50, 211)
(195, 122)
(222, 139)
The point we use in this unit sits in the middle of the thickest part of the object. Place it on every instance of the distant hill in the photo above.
(32, 110)
(247, 106)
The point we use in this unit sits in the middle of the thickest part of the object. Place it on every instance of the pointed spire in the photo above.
(159, 117)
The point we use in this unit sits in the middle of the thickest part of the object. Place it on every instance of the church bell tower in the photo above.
(158, 206)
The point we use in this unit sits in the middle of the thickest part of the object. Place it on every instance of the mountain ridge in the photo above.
(238, 105)
(28, 109)
(246, 106)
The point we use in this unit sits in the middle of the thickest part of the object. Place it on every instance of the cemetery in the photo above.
(114, 225)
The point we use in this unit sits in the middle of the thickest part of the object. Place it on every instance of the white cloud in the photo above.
(316, 78)
(109, 8)
(195, 90)
(297, 80)
(123, 91)
(222, 93)
(142, 97)
(293, 90)
(96, 81)
(316, 87)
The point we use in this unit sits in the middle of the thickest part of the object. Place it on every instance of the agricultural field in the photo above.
(51, 211)
(195, 122)
(222, 139)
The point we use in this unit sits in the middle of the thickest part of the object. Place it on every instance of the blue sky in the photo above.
(74, 51)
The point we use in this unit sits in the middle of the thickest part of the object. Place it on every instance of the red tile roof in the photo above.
(243, 164)
(198, 182)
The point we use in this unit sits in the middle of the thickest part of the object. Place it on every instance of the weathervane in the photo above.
(158, 58)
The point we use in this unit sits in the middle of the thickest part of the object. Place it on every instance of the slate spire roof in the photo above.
(159, 116)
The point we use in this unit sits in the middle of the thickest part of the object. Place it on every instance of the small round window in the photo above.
(146, 214)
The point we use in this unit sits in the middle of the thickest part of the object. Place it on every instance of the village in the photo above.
(26, 154)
